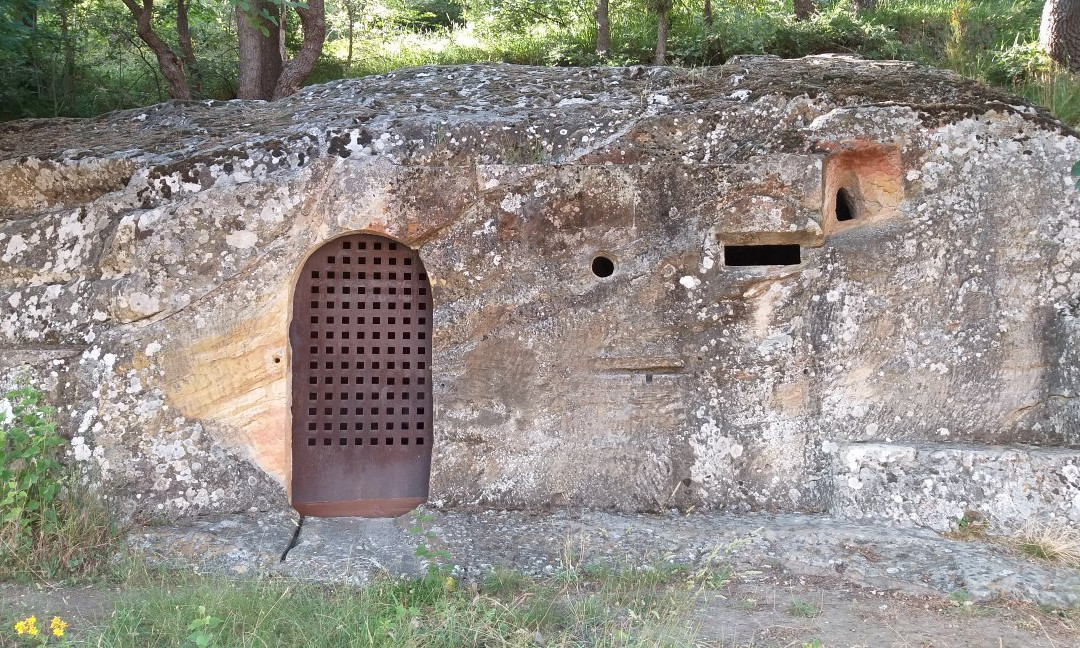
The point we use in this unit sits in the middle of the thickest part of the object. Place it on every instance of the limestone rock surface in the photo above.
(753, 546)
(148, 257)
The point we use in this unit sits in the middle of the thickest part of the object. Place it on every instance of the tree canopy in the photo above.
(84, 57)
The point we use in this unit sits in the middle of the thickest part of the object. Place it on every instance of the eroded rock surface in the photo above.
(756, 547)
(147, 259)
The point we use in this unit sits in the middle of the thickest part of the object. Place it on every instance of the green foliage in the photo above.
(110, 67)
(494, 17)
(50, 526)
(427, 15)
(1076, 173)
(30, 473)
(1017, 64)
(258, 13)
(439, 561)
(203, 630)
(971, 525)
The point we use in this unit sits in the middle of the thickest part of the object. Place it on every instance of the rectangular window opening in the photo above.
(762, 255)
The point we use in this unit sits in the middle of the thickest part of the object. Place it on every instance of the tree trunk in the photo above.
(187, 50)
(707, 13)
(603, 28)
(313, 22)
(172, 68)
(260, 58)
(1059, 34)
(661, 34)
(283, 13)
(68, 42)
(350, 11)
(804, 9)
(26, 10)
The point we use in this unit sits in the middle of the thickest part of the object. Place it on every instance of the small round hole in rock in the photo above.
(603, 266)
(845, 206)
(277, 359)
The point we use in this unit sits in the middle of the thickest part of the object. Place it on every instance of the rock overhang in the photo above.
(167, 241)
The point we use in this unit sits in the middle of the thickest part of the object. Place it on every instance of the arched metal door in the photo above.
(361, 375)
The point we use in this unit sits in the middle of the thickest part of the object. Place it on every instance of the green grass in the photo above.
(1055, 89)
(81, 544)
(601, 607)
(803, 609)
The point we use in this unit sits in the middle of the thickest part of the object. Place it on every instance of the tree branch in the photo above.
(171, 66)
(313, 22)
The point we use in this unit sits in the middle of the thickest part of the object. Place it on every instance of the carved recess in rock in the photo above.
(864, 184)
(939, 310)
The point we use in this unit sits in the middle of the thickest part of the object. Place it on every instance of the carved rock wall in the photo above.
(147, 260)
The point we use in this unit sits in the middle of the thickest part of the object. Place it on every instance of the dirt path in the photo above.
(81, 607)
(836, 614)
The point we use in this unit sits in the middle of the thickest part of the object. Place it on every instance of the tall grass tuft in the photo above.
(1052, 540)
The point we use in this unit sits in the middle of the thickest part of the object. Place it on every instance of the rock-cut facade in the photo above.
(822, 285)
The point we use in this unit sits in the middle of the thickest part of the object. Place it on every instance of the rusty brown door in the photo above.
(361, 375)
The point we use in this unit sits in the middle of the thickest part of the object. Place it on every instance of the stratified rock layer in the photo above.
(147, 260)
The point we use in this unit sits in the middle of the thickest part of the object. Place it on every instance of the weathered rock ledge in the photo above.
(881, 556)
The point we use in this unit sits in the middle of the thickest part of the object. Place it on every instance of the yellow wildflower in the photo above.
(449, 584)
(58, 626)
(27, 626)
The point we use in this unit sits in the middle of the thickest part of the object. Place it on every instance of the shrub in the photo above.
(30, 471)
(1021, 63)
(51, 526)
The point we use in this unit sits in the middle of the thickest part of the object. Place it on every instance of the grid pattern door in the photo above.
(361, 372)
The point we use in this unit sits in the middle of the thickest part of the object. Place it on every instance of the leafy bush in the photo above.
(30, 471)
(1020, 63)
(50, 525)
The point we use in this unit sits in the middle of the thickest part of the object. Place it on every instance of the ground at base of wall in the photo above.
(912, 561)
(773, 611)
(788, 580)
(826, 612)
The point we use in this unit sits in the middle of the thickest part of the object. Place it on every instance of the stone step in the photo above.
(935, 485)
